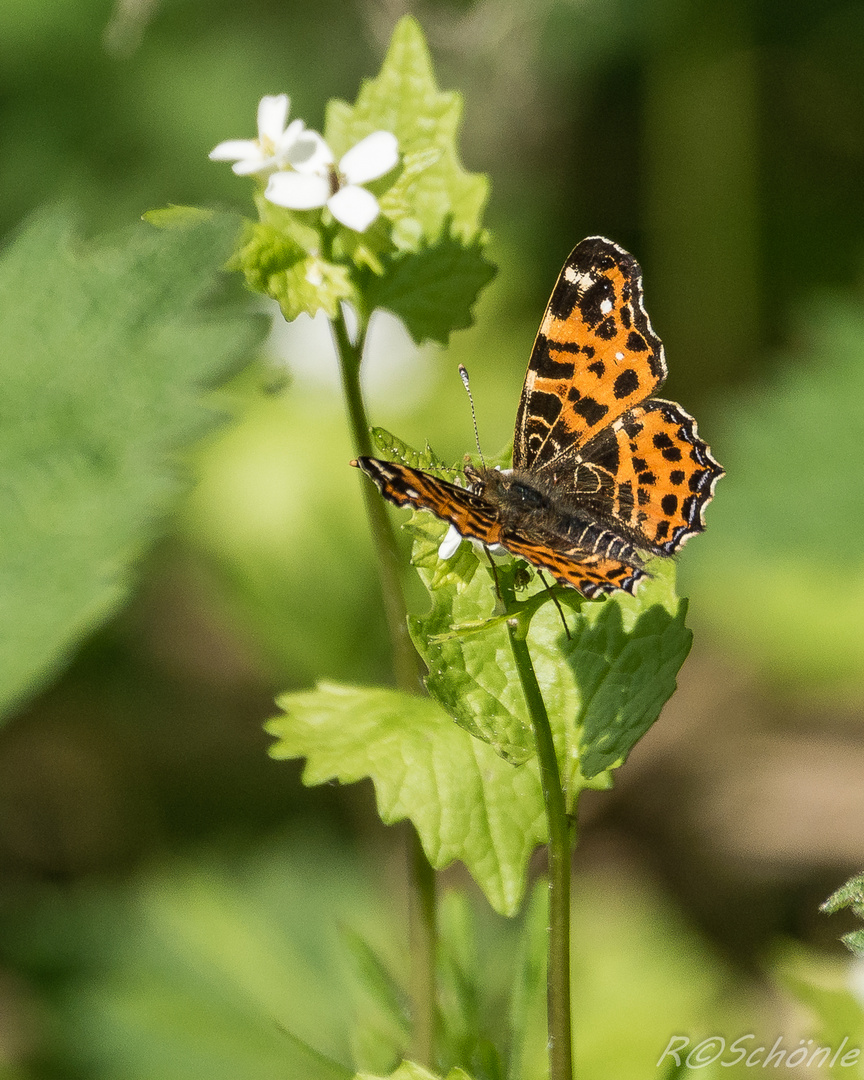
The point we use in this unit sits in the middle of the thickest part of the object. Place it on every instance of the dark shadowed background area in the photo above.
(723, 144)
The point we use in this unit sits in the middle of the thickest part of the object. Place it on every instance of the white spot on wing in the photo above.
(606, 307)
(619, 355)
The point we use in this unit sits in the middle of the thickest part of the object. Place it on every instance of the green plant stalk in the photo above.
(408, 672)
(558, 971)
(407, 667)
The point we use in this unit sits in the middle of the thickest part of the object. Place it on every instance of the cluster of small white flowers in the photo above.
(301, 168)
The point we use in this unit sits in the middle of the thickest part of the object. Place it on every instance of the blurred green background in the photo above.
(723, 144)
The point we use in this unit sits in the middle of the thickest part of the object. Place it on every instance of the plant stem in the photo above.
(408, 673)
(406, 662)
(558, 976)
(422, 929)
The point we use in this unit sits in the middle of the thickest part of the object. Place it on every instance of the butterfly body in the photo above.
(602, 472)
(539, 505)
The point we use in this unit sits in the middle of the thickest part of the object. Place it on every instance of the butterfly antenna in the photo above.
(463, 374)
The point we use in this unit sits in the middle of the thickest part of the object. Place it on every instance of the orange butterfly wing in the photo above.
(595, 355)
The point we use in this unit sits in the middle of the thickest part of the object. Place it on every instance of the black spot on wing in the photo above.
(592, 411)
(626, 384)
(564, 298)
(545, 364)
(598, 295)
(607, 329)
(546, 406)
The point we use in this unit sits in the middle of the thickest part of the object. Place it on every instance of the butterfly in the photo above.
(604, 475)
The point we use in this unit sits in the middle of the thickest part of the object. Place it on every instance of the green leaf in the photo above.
(104, 353)
(603, 686)
(423, 258)
(432, 289)
(396, 450)
(280, 259)
(432, 188)
(625, 657)
(850, 895)
(464, 800)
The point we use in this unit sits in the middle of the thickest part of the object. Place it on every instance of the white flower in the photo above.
(450, 544)
(317, 181)
(276, 145)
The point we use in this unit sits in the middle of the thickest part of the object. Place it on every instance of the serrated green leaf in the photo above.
(603, 687)
(854, 941)
(464, 800)
(405, 99)
(625, 659)
(396, 450)
(281, 260)
(849, 895)
(434, 288)
(104, 351)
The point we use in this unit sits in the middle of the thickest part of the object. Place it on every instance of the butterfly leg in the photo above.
(494, 573)
(556, 602)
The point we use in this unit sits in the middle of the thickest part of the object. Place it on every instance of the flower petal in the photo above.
(450, 544)
(370, 158)
(297, 191)
(259, 164)
(309, 153)
(355, 207)
(235, 150)
(272, 114)
(289, 136)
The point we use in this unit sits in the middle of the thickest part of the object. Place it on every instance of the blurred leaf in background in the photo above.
(105, 355)
(200, 967)
(782, 579)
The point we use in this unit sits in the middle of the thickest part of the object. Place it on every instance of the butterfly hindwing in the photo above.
(651, 474)
(595, 355)
(589, 573)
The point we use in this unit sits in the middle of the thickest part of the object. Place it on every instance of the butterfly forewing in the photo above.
(595, 355)
(404, 486)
